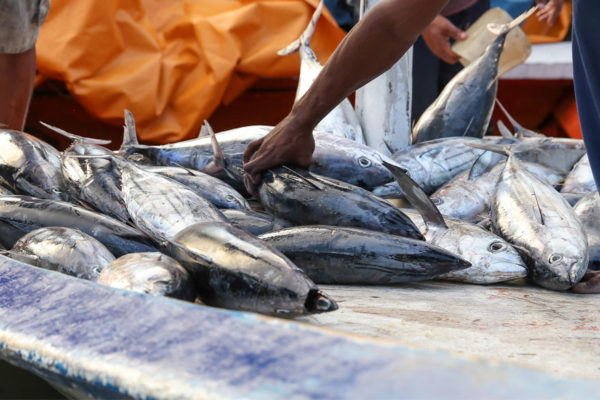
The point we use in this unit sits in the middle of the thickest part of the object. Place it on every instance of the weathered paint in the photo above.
(384, 104)
(112, 343)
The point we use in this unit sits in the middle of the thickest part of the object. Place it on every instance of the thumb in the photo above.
(452, 31)
(251, 149)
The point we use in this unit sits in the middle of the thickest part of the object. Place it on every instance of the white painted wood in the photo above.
(383, 105)
(557, 332)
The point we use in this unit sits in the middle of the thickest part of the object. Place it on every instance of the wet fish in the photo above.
(94, 182)
(31, 166)
(580, 179)
(65, 250)
(152, 273)
(335, 255)
(588, 211)
(255, 222)
(492, 259)
(533, 216)
(468, 196)
(558, 153)
(219, 193)
(342, 120)
(235, 270)
(22, 214)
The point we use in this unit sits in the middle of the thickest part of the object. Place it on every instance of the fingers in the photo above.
(251, 149)
(589, 284)
(452, 31)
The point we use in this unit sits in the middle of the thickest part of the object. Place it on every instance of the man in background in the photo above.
(20, 22)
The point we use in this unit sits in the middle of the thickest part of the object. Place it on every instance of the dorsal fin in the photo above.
(218, 163)
(76, 138)
(129, 131)
(504, 131)
(484, 163)
(497, 148)
(417, 197)
(203, 132)
(305, 37)
(538, 211)
(518, 128)
(299, 175)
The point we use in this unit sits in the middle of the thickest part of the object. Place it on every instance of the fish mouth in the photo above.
(576, 271)
(319, 302)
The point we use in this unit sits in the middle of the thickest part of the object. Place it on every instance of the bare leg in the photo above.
(17, 73)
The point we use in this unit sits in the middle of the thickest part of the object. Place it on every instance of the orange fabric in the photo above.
(172, 62)
(538, 32)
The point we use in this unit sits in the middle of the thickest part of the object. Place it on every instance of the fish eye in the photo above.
(495, 247)
(364, 162)
(55, 190)
(554, 258)
(229, 198)
(437, 201)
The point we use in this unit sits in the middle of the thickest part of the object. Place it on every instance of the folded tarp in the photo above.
(172, 62)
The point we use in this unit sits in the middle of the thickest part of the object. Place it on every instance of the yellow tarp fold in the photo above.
(172, 62)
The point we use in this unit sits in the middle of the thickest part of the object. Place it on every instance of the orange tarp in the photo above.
(539, 32)
(172, 62)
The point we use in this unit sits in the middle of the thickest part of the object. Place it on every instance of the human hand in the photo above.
(437, 36)
(550, 11)
(288, 143)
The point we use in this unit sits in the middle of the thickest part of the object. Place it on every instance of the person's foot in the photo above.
(589, 284)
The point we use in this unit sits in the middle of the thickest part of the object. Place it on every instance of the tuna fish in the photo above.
(580, 179)
(65, 250)
(152, 273)
(235, 270)
(334, 255)
(254, 222)
(21, 214)
(533, 216)
(342, 120)
(492, 259)
(31, 166)
(588, 211)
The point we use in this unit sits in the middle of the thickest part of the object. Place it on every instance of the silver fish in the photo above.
(152, 273)
(342, 120)
(588, 211)
(254, 222)
(580, 179)
(533, 216)
(31, 166)
(235, 270)
(65, 250)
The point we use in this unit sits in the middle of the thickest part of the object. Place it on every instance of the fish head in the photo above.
(561, 264)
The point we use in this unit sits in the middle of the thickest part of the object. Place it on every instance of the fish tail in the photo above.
(304, 39)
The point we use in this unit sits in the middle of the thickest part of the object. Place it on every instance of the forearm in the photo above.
(371, 48)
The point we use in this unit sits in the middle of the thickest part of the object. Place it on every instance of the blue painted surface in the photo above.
(103, 340)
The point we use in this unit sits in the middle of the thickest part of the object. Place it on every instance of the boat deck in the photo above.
(558, 333)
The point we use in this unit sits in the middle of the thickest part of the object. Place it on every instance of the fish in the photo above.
(491, 258)
(334, 156)
(558, 153)
(342, 120)
(468, 196)
(588, 211)
(236, 270)
(22, 214)
(337, 255)
(219, 193)
(65, 250)
(151, 273)
(580, 179)
(31, 166)
(94, 182)
(255, 222)
(465, 105)
(541, 225)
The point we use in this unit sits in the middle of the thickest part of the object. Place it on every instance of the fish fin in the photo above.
(417, 197)
(305, 37)
(203, 132)
(188, 170)
(518, 128)
(504, 131)
(76, 138)
(30, 259)
(107, 155)
(484, 163)
(218, 163)
(129, 131)
(496, 148)
(304, 178)
(468, 126)
(538, 211)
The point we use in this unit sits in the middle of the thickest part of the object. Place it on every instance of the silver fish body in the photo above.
(492, 259)
(588, 211)
(235, 270)
(22, 214)
(31, 166)
(65, 250)
(94, 181)
(335, 255)
(533, 216)
(152, 273)
(580, 179)
(255, 222)
(307, 199)
(219, 193)
(558, 153)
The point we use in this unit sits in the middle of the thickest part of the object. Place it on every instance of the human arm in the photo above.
(550, 11)
(437, 37)
(371, 48)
